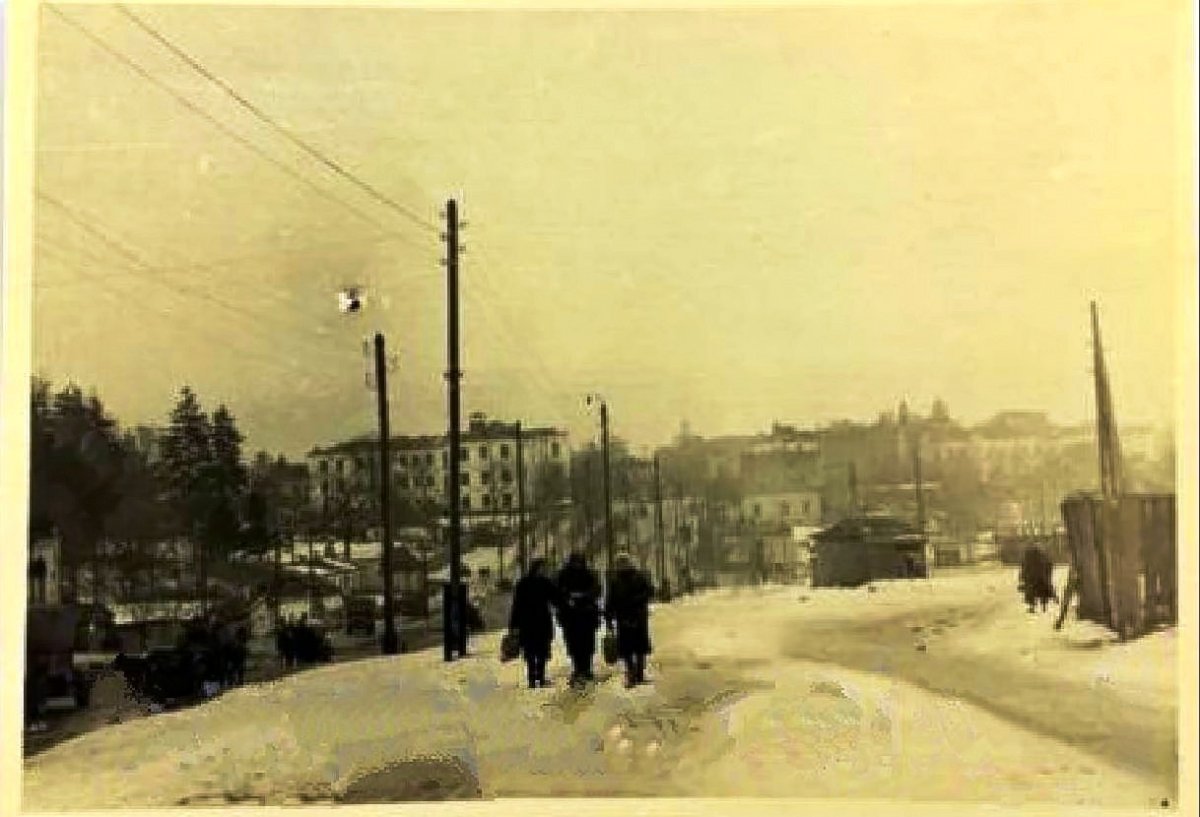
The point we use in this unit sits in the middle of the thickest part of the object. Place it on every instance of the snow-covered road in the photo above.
(943, 689)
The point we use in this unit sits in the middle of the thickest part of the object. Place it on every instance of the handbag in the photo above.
(609, 648)
(510, 647)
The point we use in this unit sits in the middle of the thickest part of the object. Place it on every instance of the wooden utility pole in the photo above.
(390, 643)
(276, 605)
(916, 447)
(608, 531)
(1106, 431)
(454, 634)
(658, 514)
(521, 548)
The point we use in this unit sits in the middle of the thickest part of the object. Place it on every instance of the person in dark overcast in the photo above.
(579, 614)
(628, 608)
(532, 619)
(1036, 578)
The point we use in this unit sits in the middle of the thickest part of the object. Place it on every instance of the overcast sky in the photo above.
(729, 218)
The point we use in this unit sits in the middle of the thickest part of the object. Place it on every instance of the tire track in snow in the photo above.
(1131, 735)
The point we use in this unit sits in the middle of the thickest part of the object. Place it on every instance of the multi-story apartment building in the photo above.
(420, 467)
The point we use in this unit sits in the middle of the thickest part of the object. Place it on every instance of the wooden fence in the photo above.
(1123, 551)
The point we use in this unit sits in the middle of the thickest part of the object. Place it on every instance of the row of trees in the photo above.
(96, 488)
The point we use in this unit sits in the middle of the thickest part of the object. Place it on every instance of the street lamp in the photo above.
(608, 533)
(350, 302)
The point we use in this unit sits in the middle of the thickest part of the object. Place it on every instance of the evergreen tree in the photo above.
(184, 468)
(225, 483)
(75, 472)
(185, 454)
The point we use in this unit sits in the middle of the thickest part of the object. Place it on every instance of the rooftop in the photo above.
(479, 428)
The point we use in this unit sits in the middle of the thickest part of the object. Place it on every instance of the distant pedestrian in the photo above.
(37, 580)
(579, 614)
(475, 622)
(1036, 578)
(627, 607)
(532, 619)
(285, 643)
(238, 652)
(1049, 593)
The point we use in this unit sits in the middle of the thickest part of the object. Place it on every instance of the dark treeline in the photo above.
(92, 484)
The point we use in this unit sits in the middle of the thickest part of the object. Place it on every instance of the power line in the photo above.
(189, 268)
(182, 100)
(133, 257)
(173, 323)
(540, 368)
(58, 255)
(258, 112)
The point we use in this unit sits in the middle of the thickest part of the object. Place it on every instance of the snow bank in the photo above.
(728, 713)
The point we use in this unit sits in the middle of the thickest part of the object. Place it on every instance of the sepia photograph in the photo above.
(629, 404)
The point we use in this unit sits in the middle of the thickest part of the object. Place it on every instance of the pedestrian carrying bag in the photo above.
(609, 648)
(510, 647)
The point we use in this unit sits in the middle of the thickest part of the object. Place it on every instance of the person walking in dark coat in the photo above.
(1037, 583)
(1047, 587)
(285, 643)
(532, 619)
(579, 614)
(628, 608)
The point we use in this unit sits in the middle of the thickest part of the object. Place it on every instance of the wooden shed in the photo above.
(862, 549)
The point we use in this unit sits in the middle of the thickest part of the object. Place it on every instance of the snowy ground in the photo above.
(944, 689)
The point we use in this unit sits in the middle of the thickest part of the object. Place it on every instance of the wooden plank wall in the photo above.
(1124, 553)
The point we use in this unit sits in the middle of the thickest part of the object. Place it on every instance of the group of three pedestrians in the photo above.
(575, 597)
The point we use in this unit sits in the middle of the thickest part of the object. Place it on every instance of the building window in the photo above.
(506, 475)
(483, 452)
(340, 466)
(445, 458)
(323, 466)
(464, 454)
(785, 510)
(324, 486)
(806, 507)
(757, 509)
(555, 450)
(402, 482)
(429, 460)
(485, 477)
(487, 501)
(464, 478)
(466, 503)
(507, 499)
(504, 451)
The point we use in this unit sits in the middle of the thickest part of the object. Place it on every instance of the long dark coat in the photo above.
(628, 606)
(532, 616)
(579, 607)
(1037, 571)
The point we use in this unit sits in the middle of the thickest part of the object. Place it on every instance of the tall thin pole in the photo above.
(1106, 432)
(608, 531)
(390, 640)
(454, 633)
(662, 539)
(521, 550)
(312, 591)
(917, 484)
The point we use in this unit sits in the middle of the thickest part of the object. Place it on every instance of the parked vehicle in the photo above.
(50, 673)
(361, 612)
